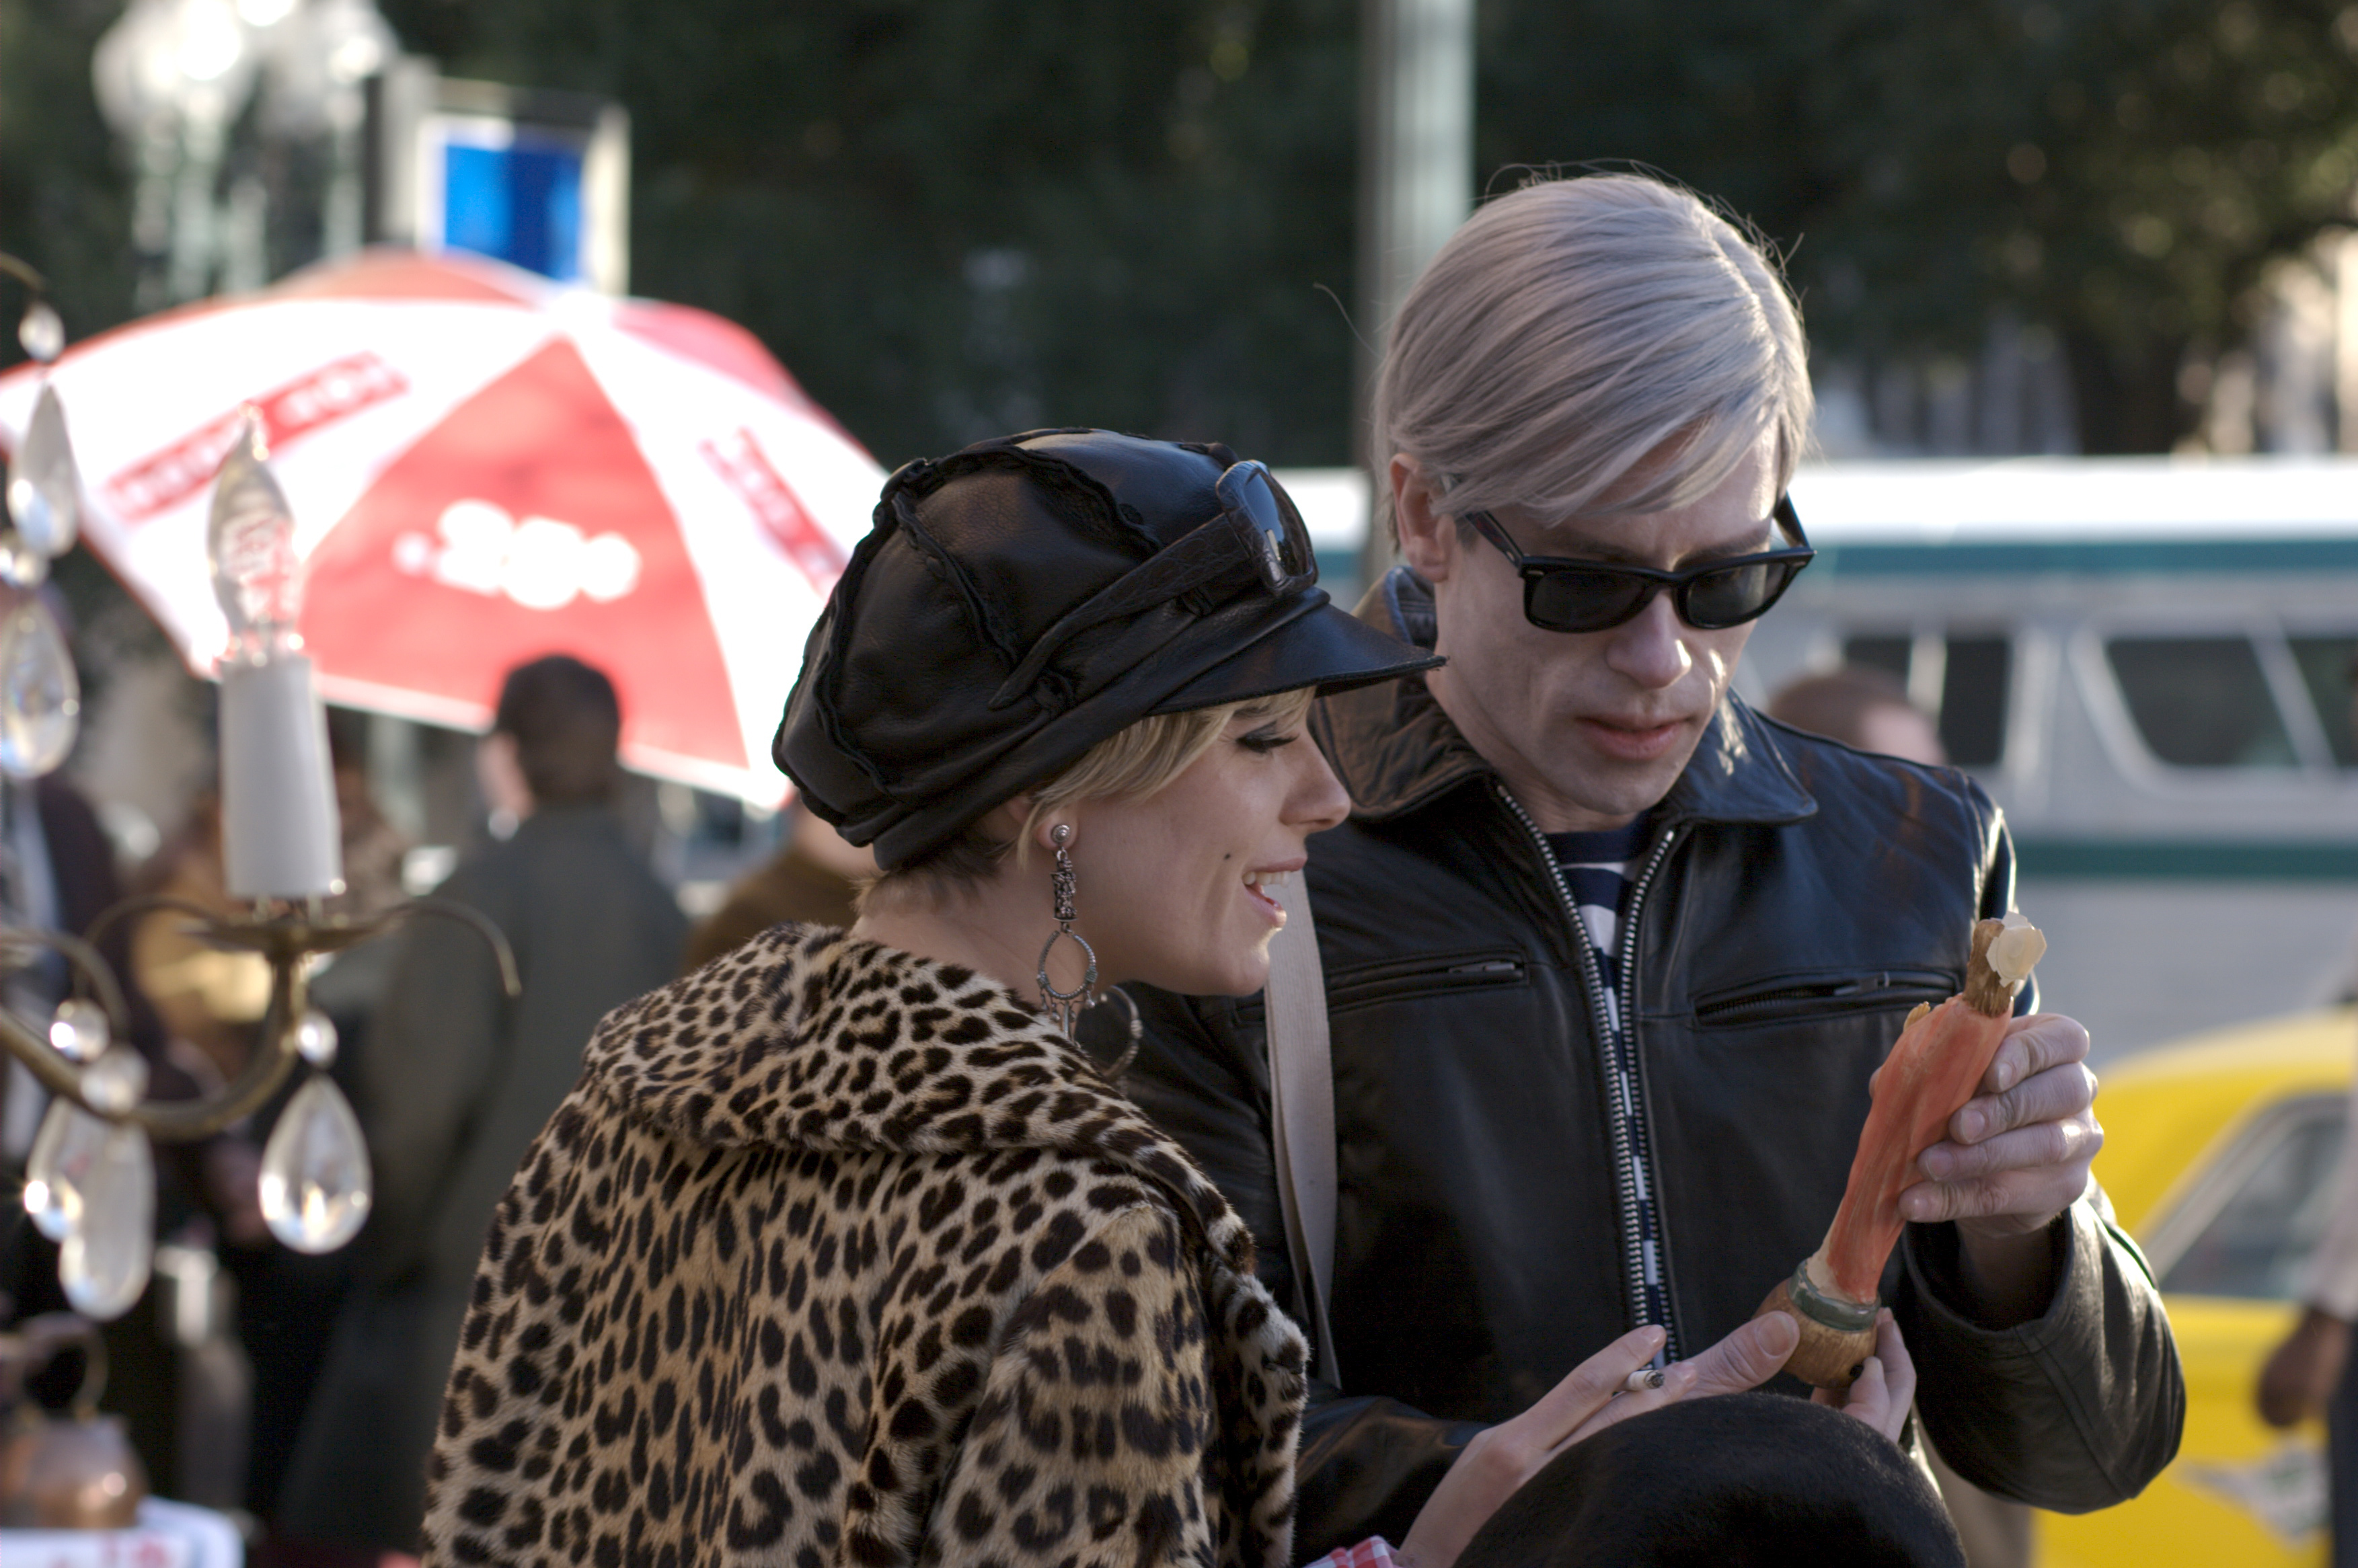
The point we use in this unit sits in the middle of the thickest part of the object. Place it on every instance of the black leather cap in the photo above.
(905, 725)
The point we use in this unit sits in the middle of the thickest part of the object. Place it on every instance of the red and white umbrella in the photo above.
(485, 467)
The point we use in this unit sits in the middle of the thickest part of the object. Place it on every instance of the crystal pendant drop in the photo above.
(40, 697)
(315, 1170)
(21, 565)
(80, 1031)
(110, 1237)
(59, 1166)
(315, 1037)
(44, 487)
(41, 332)
(113, 1084)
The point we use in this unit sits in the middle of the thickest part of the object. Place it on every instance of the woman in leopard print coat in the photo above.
(840, 1251)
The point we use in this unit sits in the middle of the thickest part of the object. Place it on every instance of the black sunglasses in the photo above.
(1565, 595)
(1258, 517)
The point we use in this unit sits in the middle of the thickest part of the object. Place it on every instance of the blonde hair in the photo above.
(1573, 327)
(1132, 762)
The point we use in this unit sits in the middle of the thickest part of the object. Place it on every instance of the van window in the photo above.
(1973, 681)
(1972, 700)
(2200, 702)
(2325, 666)
(1889, 655)
(2258, 1244)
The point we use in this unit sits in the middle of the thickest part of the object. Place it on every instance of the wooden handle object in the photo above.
(1936, 1066)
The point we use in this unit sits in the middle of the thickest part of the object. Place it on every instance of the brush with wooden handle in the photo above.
(1931, 1072)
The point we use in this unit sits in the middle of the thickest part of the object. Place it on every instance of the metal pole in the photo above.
(1416, 183)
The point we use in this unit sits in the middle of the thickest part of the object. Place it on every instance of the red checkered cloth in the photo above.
(1373, 1552)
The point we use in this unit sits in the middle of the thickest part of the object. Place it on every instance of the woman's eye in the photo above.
(1265, 740)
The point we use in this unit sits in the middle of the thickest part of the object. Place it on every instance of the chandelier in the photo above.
(90, 1183)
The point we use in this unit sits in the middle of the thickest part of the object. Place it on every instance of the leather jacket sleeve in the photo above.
(2074, 1410)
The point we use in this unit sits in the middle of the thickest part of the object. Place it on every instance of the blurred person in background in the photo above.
(2311, 1374)
(458, 1079)
(1864, 709)
(57, 873)
(812, 882)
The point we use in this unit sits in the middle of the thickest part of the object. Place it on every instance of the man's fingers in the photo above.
(2036, 1194)
(2062, 1141)
(2059, 1091)
(2032, 1046)
(1748, 1358)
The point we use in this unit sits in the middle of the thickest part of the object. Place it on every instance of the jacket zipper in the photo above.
(1625, 1158)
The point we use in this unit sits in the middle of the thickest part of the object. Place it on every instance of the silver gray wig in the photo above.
(1574, 327)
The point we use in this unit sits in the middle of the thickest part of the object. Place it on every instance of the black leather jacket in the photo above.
(1798, 899)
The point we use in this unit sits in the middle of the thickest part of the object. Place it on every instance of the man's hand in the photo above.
(2015, 1157)
(2299, 1378)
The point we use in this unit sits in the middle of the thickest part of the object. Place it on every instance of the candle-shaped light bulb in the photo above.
(280, 833)
(250, 545)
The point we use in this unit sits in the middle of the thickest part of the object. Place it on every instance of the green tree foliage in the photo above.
(952, 220)
(2118, 171)
(952, 217)
(64, 201)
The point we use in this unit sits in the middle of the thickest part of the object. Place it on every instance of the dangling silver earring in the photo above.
(1120, 1064)
(1064, 1008)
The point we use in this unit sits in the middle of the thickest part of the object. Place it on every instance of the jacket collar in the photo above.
(1396, 751)
(842, 1045)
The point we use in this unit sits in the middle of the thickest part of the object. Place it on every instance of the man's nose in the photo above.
(1650, 649)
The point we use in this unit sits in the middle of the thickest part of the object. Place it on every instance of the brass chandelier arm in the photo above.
(89, 964)
(286, 942)
(22, 271)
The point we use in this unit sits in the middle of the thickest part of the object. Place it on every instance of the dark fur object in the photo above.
(1746, 1481)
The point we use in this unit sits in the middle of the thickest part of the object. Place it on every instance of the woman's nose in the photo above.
(1650, 649)
(1318, 800)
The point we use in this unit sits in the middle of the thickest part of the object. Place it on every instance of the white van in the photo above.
(2145, 661)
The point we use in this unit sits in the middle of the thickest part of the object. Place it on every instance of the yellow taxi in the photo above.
(2218, 1157)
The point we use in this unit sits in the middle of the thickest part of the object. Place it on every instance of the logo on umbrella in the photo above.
(539, 562)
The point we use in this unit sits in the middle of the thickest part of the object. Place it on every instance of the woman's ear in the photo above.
(1043, 832)
(1428, 535)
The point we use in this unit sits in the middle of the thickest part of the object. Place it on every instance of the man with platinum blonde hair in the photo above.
(1609, 957)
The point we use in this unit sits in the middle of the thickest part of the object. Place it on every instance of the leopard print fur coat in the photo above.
(837, 1256)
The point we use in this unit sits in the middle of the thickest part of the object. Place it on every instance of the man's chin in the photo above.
(1614, 786)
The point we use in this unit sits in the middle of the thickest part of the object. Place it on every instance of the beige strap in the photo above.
(1301, 1112)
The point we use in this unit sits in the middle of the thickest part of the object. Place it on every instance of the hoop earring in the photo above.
(1064, 1008)
(1120, 1064)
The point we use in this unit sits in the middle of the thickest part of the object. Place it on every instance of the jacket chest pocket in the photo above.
(1784, 999)
(1403, 979)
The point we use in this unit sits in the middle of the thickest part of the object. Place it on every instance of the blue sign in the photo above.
(520, 202)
